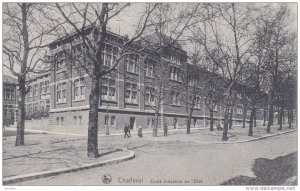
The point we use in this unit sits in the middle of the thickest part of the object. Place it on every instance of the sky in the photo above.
(125, 22)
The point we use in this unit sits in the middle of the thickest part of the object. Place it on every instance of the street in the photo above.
(178, 163)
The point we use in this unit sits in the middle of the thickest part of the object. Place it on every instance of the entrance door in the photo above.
(131, 122)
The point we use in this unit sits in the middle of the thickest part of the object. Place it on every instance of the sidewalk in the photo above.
(47, 155)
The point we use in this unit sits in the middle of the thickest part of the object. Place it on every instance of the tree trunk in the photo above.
(21, 112)
(289, 118)
(250, 133)
(225, 129)
(155, 127)
(211, 113)
(92, 150)
(231, 114)
(244, 116)
(280, 114)
(278, 118)
(188, 128)
(270, 121)
(254, 118)
(265, 115)
(283, 120)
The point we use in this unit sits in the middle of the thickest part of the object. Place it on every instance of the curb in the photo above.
(250, 140)
(44, 174)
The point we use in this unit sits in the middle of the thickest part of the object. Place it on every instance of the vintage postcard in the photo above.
(149, 94)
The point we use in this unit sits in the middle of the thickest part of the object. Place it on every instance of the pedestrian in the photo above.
(165, 129)
(126, 128)
(128, 131)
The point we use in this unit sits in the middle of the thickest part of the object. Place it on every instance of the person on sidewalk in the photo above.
(129, 131)
(126, 129)
(165, 129)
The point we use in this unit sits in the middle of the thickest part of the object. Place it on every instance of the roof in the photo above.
(154, 39)
(9, 80)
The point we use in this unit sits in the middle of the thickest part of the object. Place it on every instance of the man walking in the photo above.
(165, 129)
(126, 130)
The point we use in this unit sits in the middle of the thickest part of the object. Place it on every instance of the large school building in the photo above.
(125, 93)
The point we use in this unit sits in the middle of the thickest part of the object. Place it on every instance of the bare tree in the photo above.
(169, 26)
(96, 17)
(278, 46)
(24, 47)
(229, 52)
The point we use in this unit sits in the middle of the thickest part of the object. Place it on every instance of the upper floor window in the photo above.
(149, 96)
(248, 112)
(149, 68)
(109, 55)
(198, 102)
(47, 88)
(175, 58)
(79, 89)
(130, 92)
(239, 109)
(35, 89)
(175, 98)
(60, 60)
(42, 88)
(30, 91)
(61, 92)
(131, 64)
(8, 93)
(108, 89)
(174, 73)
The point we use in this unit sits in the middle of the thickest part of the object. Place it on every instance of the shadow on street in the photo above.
(269, 172)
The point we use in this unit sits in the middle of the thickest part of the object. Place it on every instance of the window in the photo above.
(113, 120)
(149, 96)
(175, 98)
(79, 89)
(47, 104)
(108, 89)
(62, 120)
(198, 102)
(106, 119)
(30, 91)
(216, 108)
(175, 58)
(130, 92)
(47, 89)
(75, 120)
(80, 119)
(60, 60)
(9, 93)
(57, 120)
(42, 88)
(109, 54)
(150, 121)
(30, 108)
(36, 107)
(174, 73)
(150, 68)
(43, 105)
(248, 112)
(61, 92)
(35, 89)
(239, 109)
(131, 64)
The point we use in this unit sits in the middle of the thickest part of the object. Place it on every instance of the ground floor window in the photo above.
(110, 120)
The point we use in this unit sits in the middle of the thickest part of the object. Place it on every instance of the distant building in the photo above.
(9, 99)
